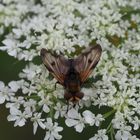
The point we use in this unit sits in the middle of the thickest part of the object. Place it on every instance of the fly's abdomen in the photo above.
(73, 87)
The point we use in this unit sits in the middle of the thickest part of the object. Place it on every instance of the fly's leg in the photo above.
(67, 97)
(74, 105)
(55, 86)
(67, 107)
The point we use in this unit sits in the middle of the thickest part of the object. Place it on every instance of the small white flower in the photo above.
(27, 55)
(60, 111)
(15, 103)
(123, 133)
(45, 103)
(136, 123)
(76, 120)
(19, 117)
(118, 121)
(14, 86)
(89, 117)
(30, 105)
(37, 121)
(100, 136)
(133, 137)
(98, 119)
(52, 130)
(5, 93)
(88, 92)
(17, 32)
(30, 71)
(46, 108)
(10, 47)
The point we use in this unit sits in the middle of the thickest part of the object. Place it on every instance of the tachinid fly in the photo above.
(72, 73)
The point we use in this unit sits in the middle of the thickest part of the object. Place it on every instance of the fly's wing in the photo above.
(87, 61)
(58, 65)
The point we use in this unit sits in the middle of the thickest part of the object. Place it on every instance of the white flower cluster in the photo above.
(65, 26)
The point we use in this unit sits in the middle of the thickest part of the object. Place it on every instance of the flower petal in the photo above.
(1, 85)
(2, 99)
(79, 127)
(71, 122)
(73, 113)
(89, 117)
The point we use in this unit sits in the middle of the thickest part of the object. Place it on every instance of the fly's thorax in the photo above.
(72, 80)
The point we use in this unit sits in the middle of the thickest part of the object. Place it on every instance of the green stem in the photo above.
(112, 133)
(110, 130)
(51, 112)
(106, 115)
(109, 127)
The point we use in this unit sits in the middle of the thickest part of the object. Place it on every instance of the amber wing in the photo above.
(87, 61)
(57, 65)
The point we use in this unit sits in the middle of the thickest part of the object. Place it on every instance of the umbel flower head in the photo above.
(111, 102)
